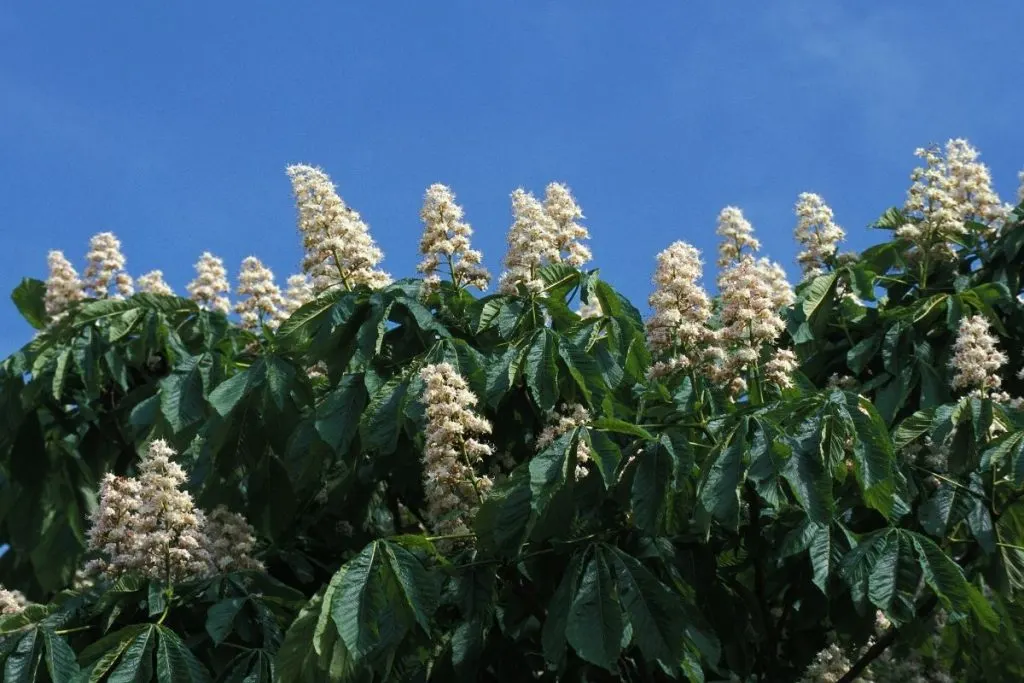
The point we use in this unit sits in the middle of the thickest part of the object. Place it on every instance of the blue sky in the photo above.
(171, 125)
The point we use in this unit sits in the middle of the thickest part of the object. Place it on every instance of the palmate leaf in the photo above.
(553, 638)
(873, 455)
(181, 393)
(175, 663)
(28, 297)
(384, 593)
(655, 612)
(541, 369)
(720, 488)
(594, 626)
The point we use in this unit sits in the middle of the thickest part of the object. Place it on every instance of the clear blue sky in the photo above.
(171, 123)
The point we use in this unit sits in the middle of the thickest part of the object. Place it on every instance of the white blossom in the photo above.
(976, 359)
(445, 241)
(1020, 187)
(210, 287)
(950, 189)
(972, 184)
(298, 294)
(261, 301)
(780, 368)
(147, 525)
(63, 287)
(105, 268)
(752, 293)
(230, 541)
(737, 235)
(829, 666)
(339, 251)
(817, 233)
(11, 601)
(453, 489)
(531, 244)
(153, 283)
(562, 208)
(570, 417)
(677, 331)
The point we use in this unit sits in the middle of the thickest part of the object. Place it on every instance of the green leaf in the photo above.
(175, 663)
(542, 370)
(862, 352)
(220, 618)
(419, 589)
(59, 658)
(229, 392)
(382, 421)
(610, 424)
(280, 375)
(605, 454)
(912, 428)
(23, 662)
(504, 519)
(873, 455)
(384, 593)
(1009, 530)
(553, 631)
(654, 610)
(337, 416)
(181, 392)
(945, 577)
(29, 298)
(549, 470)
(884, 579)
(651, 483)
(820, 444)
(946, 508)
(60, 373)
(594, 626)
(136, 665)
(720, 489)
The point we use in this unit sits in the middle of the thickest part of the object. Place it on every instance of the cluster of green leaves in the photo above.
(709, 537)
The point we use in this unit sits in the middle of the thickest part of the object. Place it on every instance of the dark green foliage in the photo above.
(701, 537)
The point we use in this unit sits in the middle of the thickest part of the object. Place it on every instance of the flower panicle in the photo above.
(445, 241)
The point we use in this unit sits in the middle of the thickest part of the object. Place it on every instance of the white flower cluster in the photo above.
(571, 417)
(445, 241)
(560, 205)
(780, 368)
(153, 283)
(951, 188)
(11, 602)
(817, 233)
(298, 294)
(677, 331)
(737, 235)
(230, 541)
(261, 301)
(539, 235)
(1020, 187)
(453, 489)
(106, 268)
(210, 287)
(752, 293)
(149, 527)
(63, 287)
(339, 250)
(976, 359)
(972, 184)
(829, 666)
